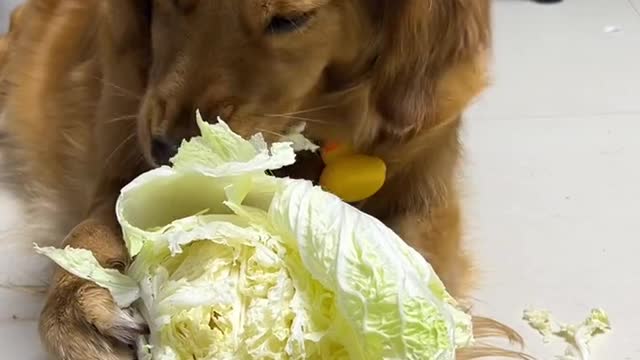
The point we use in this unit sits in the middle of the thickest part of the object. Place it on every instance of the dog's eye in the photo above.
(186, 6)
(287, 24)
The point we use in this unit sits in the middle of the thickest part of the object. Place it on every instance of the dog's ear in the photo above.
(5, 39)
(431, 61)
(16, 19)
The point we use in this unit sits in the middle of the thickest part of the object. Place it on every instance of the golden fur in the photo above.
(90, 87)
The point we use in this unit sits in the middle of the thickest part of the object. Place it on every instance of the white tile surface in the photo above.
(20, 341)
(551, 148)
(553, 218)
(5, 8)
(557, 60)
(552, 183)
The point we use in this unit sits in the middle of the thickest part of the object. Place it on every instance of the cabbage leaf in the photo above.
(231, 263)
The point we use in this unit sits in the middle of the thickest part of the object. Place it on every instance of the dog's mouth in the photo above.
(308, 166)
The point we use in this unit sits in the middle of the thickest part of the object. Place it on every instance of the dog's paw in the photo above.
(81, 321)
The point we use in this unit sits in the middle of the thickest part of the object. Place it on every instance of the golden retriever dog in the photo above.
(95, 92)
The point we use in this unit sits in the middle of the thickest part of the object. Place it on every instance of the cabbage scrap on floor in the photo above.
(231, 263)
(578, 337)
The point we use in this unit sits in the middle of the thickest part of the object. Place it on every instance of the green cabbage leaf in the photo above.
(231, 263)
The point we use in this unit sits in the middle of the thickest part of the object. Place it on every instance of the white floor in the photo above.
(552, 190)
(5, 8)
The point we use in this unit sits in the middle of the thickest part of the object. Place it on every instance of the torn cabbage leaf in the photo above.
(577, 337)
(232, 263)
(83, 264)
(298, 141)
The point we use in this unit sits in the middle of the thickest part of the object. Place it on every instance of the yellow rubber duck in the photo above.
(350, 176)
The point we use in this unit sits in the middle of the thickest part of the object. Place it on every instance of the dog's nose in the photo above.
(163, 149)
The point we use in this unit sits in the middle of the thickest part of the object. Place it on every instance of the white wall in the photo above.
(5, 9)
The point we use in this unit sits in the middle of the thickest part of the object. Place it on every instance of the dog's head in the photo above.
(358, 69)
